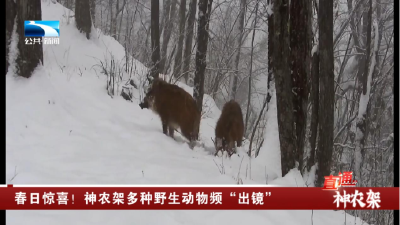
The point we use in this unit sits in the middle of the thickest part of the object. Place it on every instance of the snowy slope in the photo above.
(63, 128)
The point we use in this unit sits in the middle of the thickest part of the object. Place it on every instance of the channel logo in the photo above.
(39, 28)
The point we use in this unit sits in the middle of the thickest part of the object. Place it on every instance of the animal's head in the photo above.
(148, 101)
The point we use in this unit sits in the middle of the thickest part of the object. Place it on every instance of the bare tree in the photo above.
(82, 17)
(29, 56)
(315, 107)
(201, 53)
(178, 55)
(239, 47)
(300, 43)
(93, 11)
(169, 18)
(283, 84)
(113, 17)
(327, 91)
(366, 90)
(155, 38)
(187, 52)
(250, 75)
(270, 20)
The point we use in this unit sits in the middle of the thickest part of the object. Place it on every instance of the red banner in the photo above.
(238, 197)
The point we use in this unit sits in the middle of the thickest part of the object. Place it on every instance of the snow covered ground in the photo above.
(63, 128)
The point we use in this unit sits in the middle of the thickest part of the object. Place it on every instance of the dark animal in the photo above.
(176, 108)
(229, 129)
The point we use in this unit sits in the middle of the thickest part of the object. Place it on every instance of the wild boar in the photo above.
(229, 129)
(176, 108)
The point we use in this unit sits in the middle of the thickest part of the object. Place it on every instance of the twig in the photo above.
(217, 166)
(344, 127)
(240, 166)
(80, 72)
(15, 174)
(256, 125)
(266, 175)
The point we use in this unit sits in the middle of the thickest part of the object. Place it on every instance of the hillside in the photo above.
(63, 128)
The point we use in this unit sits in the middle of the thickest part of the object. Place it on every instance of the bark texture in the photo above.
(82, 17)
(283, 84)
(155, 38)
(201, 53)
(327, 90)
(29, 56)
(10, 20)
(187, 52)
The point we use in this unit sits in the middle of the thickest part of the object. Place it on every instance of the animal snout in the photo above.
(143, 105)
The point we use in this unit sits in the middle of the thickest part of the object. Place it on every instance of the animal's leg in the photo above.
(171, 131)
(188, 134)
(239, 142)
(192, 143)
(225, 146)
(218, 146)
(230, 148)
(164, 126)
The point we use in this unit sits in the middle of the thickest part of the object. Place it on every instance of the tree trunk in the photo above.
(155, 38)
(327, 92)
(365, 95)
(29, 56)
(10, 19)
(93, 11)
(115, 22)
(363, 61)
(187, 52)
(359, 59)
(239, 48)
(201, 53)
(283, 84)
(315, 105)
(82, 17)
(69, 4)
(270, 50)
(250, 74)
(178, 55)
(120, 26)
(112, 24)
(299, 64)
(169, 25)
(165, 18)
(114, 18)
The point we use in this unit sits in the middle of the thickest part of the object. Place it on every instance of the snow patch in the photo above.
(63, 128)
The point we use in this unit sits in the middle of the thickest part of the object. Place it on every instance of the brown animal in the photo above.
(176, 108)
(230, 128)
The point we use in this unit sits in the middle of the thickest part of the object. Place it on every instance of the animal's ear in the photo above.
(149, 78)
(149, 81)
